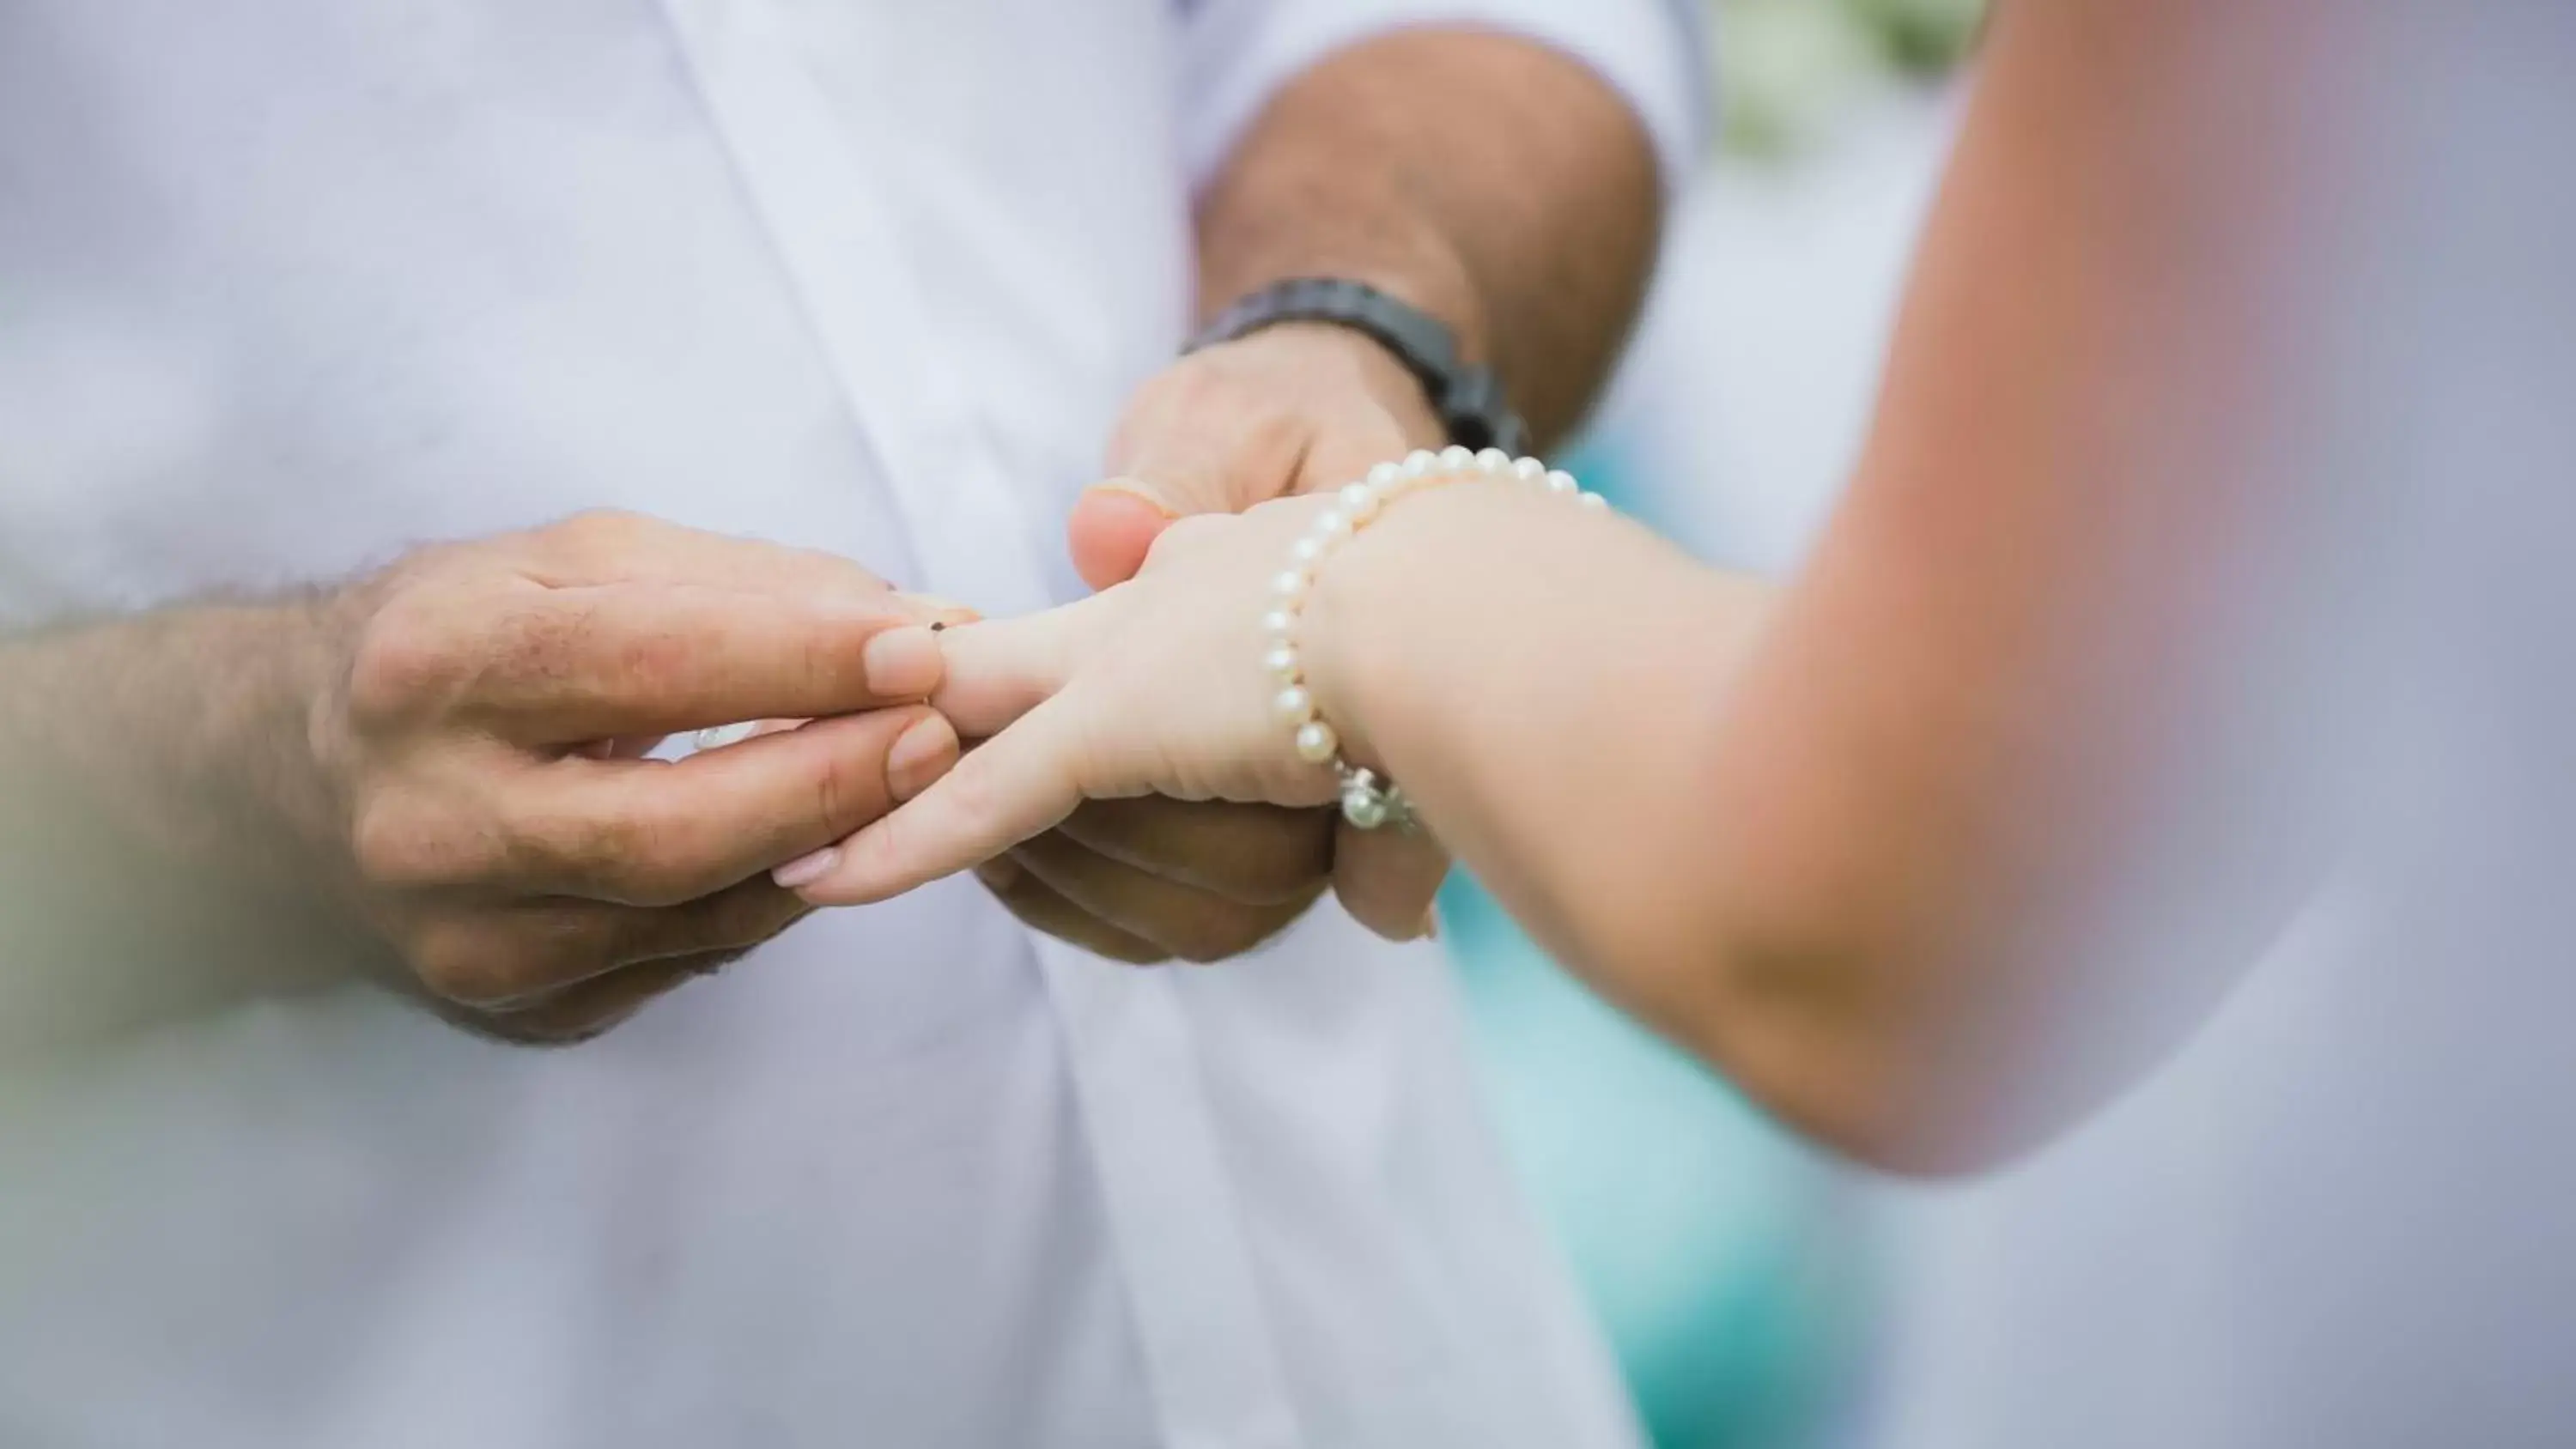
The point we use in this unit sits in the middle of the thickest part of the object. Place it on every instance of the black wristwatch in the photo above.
(1468, 398)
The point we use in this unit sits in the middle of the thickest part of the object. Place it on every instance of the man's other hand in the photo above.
(535, 874)
(1295, 408)
(1152, 879)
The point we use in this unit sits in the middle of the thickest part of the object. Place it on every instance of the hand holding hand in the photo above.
(1154, 687)
(1296, 408)
(1153, 878)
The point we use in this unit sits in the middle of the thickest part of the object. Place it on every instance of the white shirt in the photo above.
(286, 287)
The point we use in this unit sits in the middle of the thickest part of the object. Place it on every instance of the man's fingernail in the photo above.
(804, 870)
(1135, 488)
(920, 755)
(1430, 925)
(903, 663)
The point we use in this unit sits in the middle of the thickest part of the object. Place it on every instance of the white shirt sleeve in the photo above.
(1237, 53)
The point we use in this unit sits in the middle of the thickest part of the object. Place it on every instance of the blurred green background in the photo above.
(1736, 1273)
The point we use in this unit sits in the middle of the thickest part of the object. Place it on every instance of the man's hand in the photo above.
(1296, 408)
(505, 838)
(1151, 879)
(442, 766)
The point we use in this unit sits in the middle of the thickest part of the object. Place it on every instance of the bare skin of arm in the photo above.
(1863, 845)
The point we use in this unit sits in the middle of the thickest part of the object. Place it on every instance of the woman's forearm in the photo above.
(1549, 685)
(1932, 853)
(1590, 720)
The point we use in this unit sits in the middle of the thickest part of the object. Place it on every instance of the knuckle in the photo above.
(652, 664)
(844, 797)
(387, 841)
(405, 665)
(468, 962)
(645, 851)
(551, 839)
(536, 637)
(400, 843)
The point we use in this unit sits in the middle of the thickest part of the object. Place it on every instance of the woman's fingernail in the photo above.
(903, 663)
(804, 870)
(921, 754)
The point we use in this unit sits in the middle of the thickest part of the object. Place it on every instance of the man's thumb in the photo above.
(1114, 524)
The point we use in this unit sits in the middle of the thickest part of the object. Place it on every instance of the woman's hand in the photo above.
(1157, 686)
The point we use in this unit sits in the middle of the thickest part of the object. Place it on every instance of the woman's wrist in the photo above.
(1380, 598)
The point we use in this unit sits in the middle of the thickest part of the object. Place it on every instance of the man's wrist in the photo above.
(1463, 396)
(192, 727)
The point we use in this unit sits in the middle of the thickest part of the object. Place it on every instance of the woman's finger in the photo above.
(1000, 669)
(1022, 781)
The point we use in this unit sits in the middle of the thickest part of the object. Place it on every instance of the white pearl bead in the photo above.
(1290, 586)
(1419, 463)
(1561, 481)
(1282, 662)
(1332, 523)
(1294, 706)
(1366, 810)
(1316, 742)
(1455, 459)
(1306, 550)
(1494, 461)
(1595, 500)
(1385, 476)
(1529, 470)
(1281, 625)
(1360, 501)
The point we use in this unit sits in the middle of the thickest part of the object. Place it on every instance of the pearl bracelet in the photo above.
(1367, 801)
